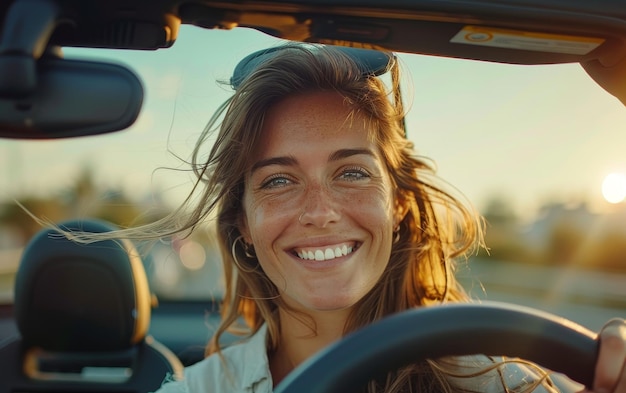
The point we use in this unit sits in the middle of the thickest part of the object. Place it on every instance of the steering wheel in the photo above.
(489, 328)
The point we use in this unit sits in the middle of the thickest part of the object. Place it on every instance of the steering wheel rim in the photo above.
(489, 328)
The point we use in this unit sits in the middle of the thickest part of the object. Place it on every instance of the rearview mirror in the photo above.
(72, 98)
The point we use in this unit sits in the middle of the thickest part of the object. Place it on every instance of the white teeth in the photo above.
(325, 254)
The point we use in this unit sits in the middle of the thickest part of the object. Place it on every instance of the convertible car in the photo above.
(520, 102)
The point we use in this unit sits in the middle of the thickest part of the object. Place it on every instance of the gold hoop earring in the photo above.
(246, 251)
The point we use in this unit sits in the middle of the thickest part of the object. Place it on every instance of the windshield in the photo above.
(538, 150)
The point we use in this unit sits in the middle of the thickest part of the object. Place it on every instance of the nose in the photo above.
(320, 209)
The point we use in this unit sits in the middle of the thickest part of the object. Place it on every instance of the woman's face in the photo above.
(319, 205)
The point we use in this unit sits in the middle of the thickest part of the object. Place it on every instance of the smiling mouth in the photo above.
(326, 253)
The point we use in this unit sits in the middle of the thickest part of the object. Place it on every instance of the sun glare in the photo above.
(614, 187)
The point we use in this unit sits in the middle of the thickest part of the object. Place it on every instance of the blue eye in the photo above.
(276, 181)
(354, 174)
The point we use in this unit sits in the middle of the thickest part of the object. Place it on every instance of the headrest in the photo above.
(81, 297)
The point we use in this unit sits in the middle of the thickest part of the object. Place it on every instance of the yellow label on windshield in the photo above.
(524, 40)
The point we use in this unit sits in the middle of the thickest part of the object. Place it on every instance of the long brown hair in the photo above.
(436, 229)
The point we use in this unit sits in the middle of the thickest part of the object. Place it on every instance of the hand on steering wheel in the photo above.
(610, 375)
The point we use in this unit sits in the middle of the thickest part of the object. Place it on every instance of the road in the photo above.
(589, 298)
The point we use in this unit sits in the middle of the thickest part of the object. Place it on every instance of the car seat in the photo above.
(83, 312)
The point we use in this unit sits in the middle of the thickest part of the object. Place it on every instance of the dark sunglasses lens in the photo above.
(370, 62)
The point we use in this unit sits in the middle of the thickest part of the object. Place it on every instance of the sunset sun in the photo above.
(614, 187)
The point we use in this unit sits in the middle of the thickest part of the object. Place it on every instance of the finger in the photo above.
(610, 373)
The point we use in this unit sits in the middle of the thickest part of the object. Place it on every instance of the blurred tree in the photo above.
(499, 211)
(80, 197)
(609, 253)
(502, 236)
(84, 198)
(115, 207)
(18, 221)
(564, 243)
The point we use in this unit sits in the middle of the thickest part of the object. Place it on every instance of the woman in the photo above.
(327, 222)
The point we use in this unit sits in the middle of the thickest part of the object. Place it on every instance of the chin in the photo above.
(332, 303)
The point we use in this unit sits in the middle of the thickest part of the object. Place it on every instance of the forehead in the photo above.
(318, 120)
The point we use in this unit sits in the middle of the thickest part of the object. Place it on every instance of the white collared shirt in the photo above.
(244, 368)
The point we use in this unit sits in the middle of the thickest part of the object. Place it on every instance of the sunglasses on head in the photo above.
(370, 62)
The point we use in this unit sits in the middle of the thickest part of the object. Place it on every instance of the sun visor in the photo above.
(69, 98)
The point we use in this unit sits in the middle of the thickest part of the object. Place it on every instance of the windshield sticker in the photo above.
(513, 39)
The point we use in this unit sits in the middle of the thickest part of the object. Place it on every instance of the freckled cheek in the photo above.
(270, 216)
(375, 209)
(266, 223)
(267, 219)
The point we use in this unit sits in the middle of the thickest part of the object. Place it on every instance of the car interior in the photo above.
(83, 318)
(83, 314)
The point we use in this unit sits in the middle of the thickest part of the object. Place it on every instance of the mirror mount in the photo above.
(44, 96)
(27, 30)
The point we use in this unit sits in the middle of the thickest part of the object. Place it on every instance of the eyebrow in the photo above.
(345, 153)
(291, 160)
(285, 161)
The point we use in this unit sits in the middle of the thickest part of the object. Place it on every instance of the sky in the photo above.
(529, 134)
